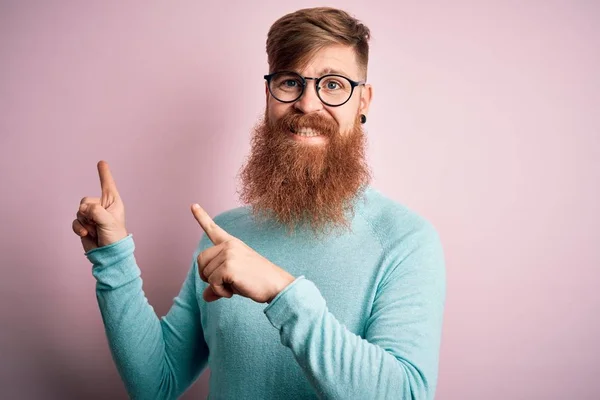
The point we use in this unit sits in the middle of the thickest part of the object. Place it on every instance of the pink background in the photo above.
(485, 120)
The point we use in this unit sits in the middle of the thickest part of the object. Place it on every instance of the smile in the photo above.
(307, 135)
(307, 132)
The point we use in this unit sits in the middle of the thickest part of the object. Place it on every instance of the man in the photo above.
(320, 286)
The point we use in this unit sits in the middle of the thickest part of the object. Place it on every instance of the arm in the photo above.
(156, 358)
(398, 358)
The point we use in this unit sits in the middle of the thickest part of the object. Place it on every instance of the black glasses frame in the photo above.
(317, 88)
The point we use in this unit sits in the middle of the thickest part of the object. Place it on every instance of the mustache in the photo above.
(295, 120)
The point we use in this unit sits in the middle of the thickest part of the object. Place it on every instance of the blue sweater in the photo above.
(362, 320)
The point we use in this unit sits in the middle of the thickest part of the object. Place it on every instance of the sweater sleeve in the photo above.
(398, 357)
(156, 358)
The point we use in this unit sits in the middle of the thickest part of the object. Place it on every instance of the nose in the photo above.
(309, 102)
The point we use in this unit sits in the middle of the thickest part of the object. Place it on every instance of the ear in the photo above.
(366, 95)
(266, 92)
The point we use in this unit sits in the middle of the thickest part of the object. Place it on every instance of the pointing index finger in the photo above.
(107, 183)
(215, 233)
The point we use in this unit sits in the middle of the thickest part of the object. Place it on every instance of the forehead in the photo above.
(336, 59)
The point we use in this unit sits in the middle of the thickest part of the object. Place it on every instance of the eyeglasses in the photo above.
(333, 90)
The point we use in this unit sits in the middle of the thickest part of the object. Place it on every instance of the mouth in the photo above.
(305, 132)
(307, 136)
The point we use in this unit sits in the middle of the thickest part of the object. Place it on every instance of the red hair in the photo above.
(294, 38)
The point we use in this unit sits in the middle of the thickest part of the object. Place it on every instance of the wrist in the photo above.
(113, 238)
(284, 280)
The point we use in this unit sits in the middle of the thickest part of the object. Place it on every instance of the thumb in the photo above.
(96, 213)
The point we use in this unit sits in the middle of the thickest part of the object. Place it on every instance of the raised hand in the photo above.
(231, 267)
(101, 221)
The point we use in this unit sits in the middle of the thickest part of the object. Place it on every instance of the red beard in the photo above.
(301, 183)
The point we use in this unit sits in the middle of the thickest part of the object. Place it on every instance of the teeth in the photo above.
(308, 132)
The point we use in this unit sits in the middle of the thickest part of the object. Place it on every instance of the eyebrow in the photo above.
(330, 70)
